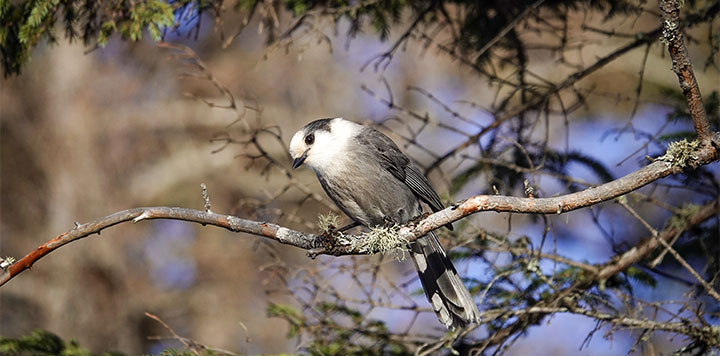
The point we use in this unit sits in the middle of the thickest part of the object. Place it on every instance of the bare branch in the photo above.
(232, 223)
(682, 67)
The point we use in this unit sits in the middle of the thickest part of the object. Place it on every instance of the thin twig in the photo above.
(712, 292)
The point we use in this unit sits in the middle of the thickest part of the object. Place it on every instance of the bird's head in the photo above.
(322, 142)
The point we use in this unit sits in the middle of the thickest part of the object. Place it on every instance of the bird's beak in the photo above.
(299, 161)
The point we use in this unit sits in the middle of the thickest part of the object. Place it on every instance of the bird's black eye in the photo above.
(309, 139)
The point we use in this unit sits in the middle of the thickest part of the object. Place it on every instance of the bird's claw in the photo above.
(324, 242)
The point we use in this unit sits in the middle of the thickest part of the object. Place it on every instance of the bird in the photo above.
(375, 184)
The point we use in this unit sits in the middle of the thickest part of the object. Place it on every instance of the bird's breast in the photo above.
(368, 194)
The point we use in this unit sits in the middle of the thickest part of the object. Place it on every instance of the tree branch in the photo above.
(232, 223)
(681, 65)
(322, 244)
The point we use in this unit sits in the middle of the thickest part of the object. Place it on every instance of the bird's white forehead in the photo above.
(297, 146)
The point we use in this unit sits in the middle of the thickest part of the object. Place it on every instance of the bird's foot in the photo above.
(327, 240)
(323, 243)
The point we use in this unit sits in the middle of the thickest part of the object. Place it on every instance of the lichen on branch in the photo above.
(681, 154)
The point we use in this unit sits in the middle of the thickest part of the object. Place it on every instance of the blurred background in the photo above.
(87, 132)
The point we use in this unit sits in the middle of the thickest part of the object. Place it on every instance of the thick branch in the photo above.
(559, 204)
(681, 65)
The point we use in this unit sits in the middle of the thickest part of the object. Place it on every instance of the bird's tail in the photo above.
(443, 287)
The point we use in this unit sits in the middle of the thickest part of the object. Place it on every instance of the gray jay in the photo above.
(374, 183)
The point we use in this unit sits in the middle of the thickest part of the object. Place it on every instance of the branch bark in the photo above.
(682, 67)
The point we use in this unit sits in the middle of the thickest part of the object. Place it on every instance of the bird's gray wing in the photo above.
(421, 186)
(390, 156)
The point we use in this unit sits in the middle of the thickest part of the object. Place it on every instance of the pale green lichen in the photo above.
(383, 239)
(680, 153)
(328, 222)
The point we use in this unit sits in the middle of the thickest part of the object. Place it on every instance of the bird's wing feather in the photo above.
(421, 186)
(400, 166)
(388, 154)
(450, 299)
